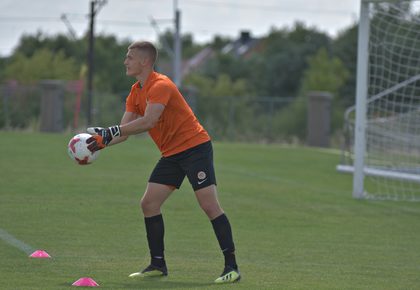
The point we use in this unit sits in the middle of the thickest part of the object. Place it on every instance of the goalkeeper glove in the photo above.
(102, 137)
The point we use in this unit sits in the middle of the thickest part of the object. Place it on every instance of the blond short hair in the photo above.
(146, 47)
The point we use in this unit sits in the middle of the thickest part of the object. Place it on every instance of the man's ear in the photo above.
(144, 60)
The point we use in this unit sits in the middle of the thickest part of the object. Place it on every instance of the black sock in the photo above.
(223, 233)
(155, 231)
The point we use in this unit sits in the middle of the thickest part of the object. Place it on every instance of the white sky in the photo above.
(130, 19)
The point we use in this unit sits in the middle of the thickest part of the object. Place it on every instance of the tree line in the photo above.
(289, 63)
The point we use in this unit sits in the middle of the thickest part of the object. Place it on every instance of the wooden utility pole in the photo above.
(95, 5)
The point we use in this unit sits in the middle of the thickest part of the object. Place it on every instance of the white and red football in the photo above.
(78, 151)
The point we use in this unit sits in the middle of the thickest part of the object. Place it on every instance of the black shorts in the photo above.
(196, 163)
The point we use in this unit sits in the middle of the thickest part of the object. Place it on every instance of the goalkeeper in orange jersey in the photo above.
(155, 105)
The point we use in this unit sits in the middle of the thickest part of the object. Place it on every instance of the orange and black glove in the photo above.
(101, 137)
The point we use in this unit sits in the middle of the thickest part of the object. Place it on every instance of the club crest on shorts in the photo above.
(201, 175)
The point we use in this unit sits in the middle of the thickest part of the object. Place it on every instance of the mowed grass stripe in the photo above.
(11, 240)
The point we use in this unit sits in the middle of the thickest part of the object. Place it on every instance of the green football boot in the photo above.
(229, 275)
(151, 271)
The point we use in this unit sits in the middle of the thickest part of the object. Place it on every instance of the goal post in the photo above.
(382, 146)
(361, 96)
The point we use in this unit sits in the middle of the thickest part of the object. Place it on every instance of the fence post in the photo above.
(6, 95)
(319, 119)
(52, 105)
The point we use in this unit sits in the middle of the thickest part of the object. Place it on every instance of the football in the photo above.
(78, 151)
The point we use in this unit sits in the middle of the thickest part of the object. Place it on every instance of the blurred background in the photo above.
(278, 71)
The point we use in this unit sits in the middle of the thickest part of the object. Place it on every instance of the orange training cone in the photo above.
(39, 254)
(85, 282)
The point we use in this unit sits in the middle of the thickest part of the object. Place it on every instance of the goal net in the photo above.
(388, 145)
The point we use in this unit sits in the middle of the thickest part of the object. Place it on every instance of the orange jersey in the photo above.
(177, 129)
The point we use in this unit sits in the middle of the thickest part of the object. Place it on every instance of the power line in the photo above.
(58, 19)
(124, 23)
(269, 8)
(29, 19)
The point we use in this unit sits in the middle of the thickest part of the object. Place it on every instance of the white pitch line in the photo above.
(11, 240)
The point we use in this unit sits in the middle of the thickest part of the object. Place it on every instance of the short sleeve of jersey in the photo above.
(129, 102)
(160, 93)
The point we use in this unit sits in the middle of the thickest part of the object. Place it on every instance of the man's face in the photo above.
(134, 62)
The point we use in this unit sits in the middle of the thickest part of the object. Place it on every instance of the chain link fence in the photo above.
(33, 106)
(233, 118)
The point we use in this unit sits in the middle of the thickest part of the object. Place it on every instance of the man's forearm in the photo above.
(137, 126)
(117, 140)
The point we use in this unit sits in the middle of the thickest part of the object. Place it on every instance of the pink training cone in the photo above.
(40, 254)
(85, 282)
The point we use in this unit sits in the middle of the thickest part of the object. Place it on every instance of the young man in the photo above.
(155, 105)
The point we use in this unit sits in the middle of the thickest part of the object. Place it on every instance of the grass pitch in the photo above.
(294, 221)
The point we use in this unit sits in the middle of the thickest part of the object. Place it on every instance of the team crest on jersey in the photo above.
(201, 175)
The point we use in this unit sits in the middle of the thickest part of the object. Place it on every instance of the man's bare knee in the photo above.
(148, 206)
(212, 210)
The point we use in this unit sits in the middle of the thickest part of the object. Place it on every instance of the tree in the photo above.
(72, 48)
(285, 59)
(219, 42)
(324, 73)
(189, 48)
(109, 70)
(345, 48)
(277, 67)
(43, 64)
(3, 62)
(222, 104)
(109, 56)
